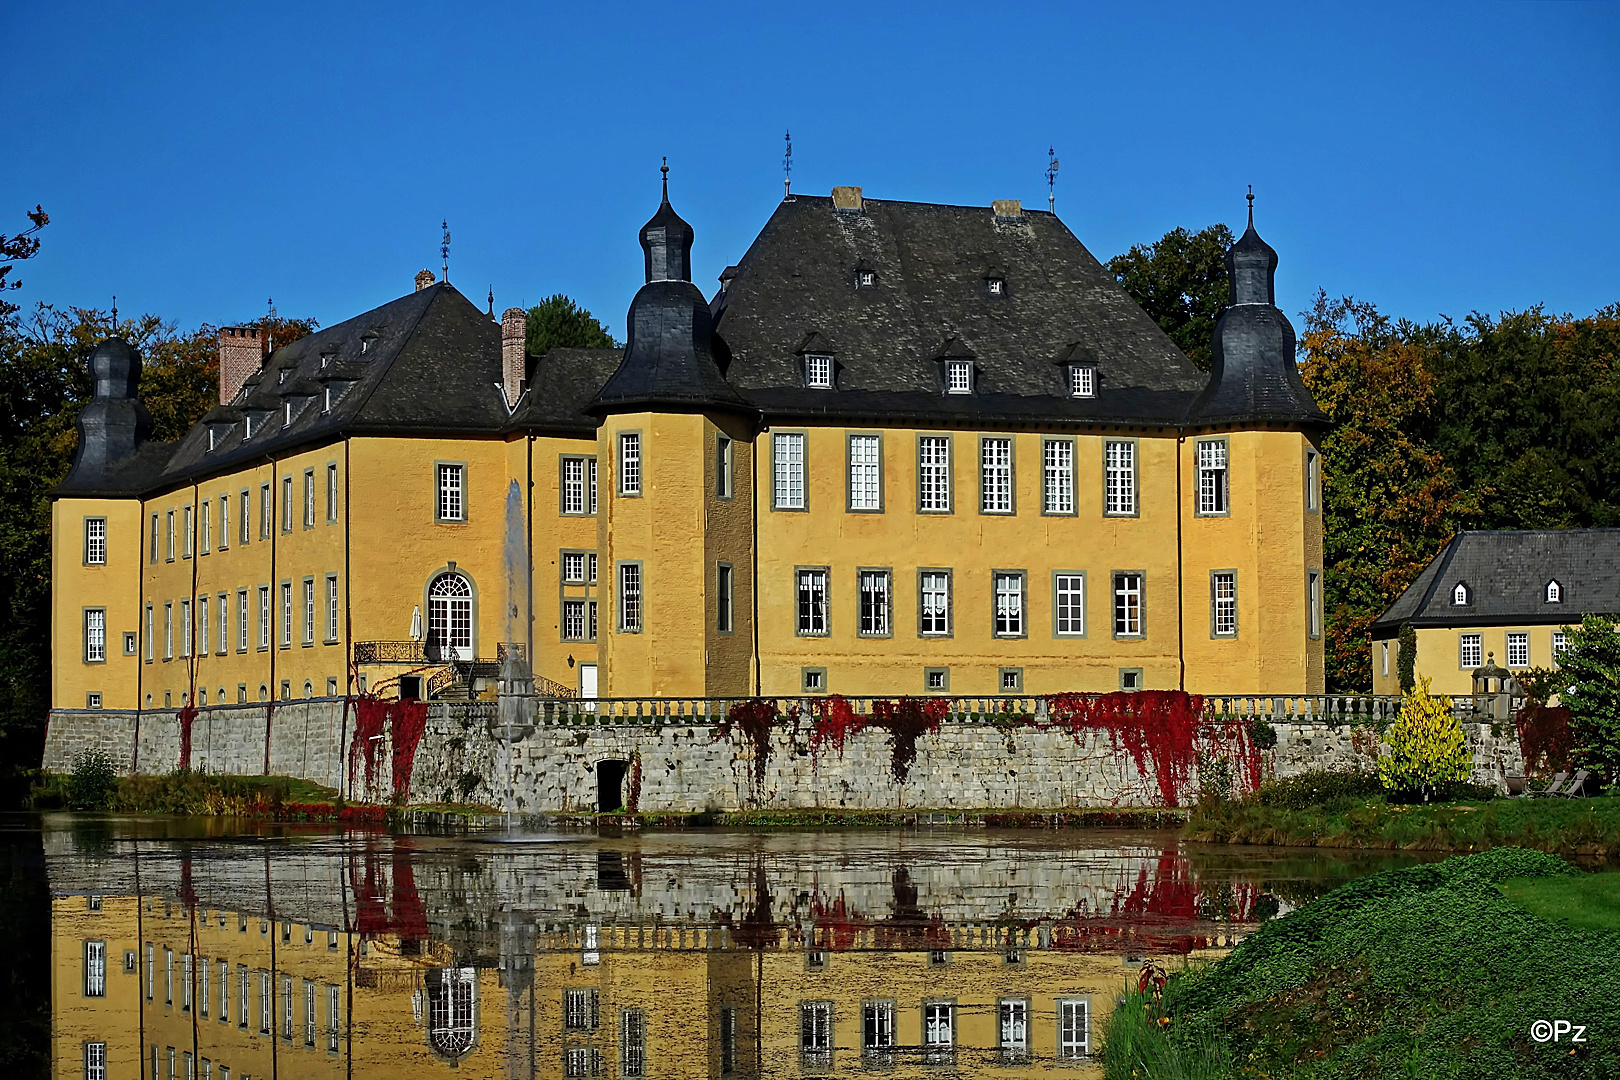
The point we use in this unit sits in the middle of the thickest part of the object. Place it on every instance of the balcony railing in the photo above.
(421, 652)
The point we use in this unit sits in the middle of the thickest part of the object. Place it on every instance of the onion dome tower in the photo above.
(115, 422)
(1254, 376)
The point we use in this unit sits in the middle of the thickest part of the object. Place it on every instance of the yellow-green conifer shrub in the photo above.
(1427, 746)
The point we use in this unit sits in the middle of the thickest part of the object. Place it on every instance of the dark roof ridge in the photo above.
(986, 207)
(1449, 552)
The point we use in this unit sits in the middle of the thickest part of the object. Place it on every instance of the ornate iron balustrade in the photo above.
(421, 652)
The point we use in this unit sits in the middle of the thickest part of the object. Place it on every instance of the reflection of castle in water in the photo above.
(696, 955)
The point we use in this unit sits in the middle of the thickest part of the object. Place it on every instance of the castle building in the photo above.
(905, 448)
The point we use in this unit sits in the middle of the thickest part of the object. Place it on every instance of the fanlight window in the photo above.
(1459, 595)
(1555, 593)
(450, 618)
(452, 1010)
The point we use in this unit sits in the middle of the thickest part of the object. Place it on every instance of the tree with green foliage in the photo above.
(558, 323)
(17, 248)
(1591, 664)
(1180, 281)
(1427, 748)
(1406, 657)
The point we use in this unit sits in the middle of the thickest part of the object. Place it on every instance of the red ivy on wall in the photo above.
(405, 721)
(187, 716)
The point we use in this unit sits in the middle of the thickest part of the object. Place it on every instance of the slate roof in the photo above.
(1506, 573)
(561, 386)
(931, 263)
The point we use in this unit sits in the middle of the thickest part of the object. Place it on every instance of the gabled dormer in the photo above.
(817, 362)
(958, 367)
(1078, 367)
(1462, 594)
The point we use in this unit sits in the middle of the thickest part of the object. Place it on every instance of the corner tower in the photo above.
(676, 538)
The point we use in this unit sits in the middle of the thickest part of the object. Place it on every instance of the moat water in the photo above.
(186, 950)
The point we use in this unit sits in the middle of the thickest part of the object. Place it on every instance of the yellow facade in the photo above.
(1448, 660)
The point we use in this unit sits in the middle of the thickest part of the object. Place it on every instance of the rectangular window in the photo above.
(1120, 478)
(168, 631)
(1074, 1028)
(1384, 664)
(573, 567)
(224, 522)
(630, 598)
(309, 498)
(310, 1027)
(309, 611)
(168, 976)
(224, 992)
(818, 371)
(590, 483)
(151, 638)
(185, 628)
(451, 505)
(1518, 650)
(787, 460)
(95, 635)
(242, 996)
(266, 511)
(286, 504)
(1560, 644)
(332, 1019)
(1058, 478)
(812, 602)
(95, 969)
(590, 619)
(573, 485)
(1069, 604)
(632, 1042)
(815, 1032)
(877, 1028)
(245, 521)
(723, 598)
(331, 607)
(331, 491)
(995, 476)
(266, 1005)
(202, 987)
(573, 620)
(939, 1025)
(958, 377)
(876, 601)
(1211, 455)
(185, 541)
(865, 473)
(1313, 602)
(151, 971)
(629, 463)
(934, 608)
(590, 568)
(1127, 605)
(582, 1061)
(286, 614)
(203, 640)
(95, 1061)
(168, 525)
(95, 541)
(1012, 1036)
(723, 467)
(934, 474)
(1223, 603)
(185, 986)
(205, 528)
(1082, 380)
(728, 1041)
(152, 549)
(1009, 593)
(580, 1010)
(264, 616)
(191, 1065)
(287, 1007)
(1472, 651)
(1313, 481)
(241, 620)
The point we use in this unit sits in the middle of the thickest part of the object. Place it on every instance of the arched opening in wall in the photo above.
(610, 785)
(452, 1013)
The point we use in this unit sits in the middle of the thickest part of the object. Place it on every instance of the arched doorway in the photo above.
(450, 618)
(610, 785)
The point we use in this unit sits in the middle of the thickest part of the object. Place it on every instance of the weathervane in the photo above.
(1051, 179)
(664, 168)
(444, 250)
(1251, 206)
(115, 313)
(787, 167)
(492, 301)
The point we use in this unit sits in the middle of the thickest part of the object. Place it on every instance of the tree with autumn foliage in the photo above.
(1180, 281)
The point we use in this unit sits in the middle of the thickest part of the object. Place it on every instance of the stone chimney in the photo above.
(1008, 209)
(847, 198)
(514, 332)
(241, 353)
(424, 278)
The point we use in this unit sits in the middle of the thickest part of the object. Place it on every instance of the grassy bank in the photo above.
(1566, 826)
(1428, 971)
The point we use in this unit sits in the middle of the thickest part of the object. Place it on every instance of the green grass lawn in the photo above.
(1591, 902)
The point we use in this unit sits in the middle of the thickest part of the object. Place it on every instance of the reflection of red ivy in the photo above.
(408, 917)
(405, 720)
(1544, 738)
(188, 714)
(633, 800)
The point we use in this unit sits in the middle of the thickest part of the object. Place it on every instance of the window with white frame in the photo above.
(1009, 595)
(939, 1025)
(202, 988)
(1555, 593)
(1212, 488)
(1313, 480)
(877, 1027)
(242, 996)
(723, 451)
(168, 532)
(573, 485)
(452, 492)
(224, 522)
(865, 468)
(573, 620)
(266, 511)
(95, 541)
(934, 474)
(286, 504)
(573, 568)
(875, 603)
(264, 616)
(1119, 479)
(1471, 651)
(205, 528)
(185, 628)
(1313, 602)
(1128, 605)
(1518, 650)
(331, 491)
(1069, 604)
(95, 969)
(787, 464)
(309, 611)
(581, 1010)
(1074, 1028)
(629, 463)
(1012, 1023)
(310, 1026)
(812, 592)
(934, 607)
(332, 1007)
(189, 533)
(168, 631)
(241, 620)
(287, 1007)
(309, 498)
(152, 548)
(815, 1032)
(632, 1042)
(590, 568)
(286, 614)
(1223, 603)
(590, 484)
(582, 1061)
(95, 1060)
(1384, 664)
(1082, 380)
(331, 607)
(224, 987)
(95, 635)
(151, 639)
(1560, 644)
(818, 371)
(630, 598)
(185, 985)
(168, 976)
(1058, 476)
(958, 377)
(995, 476)
(267, 1006)
(1459, 594)
(203, 640)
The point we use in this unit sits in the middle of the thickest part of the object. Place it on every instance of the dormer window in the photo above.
(1555, 592)
(996, 285)
(247, 431)
(286, 413)
(1460, 595)
(366, 341)
(865, 279)
(818, 371)
(1082, 380)
(211, 440)
(327, 407)
(958, 377)
(282, 377)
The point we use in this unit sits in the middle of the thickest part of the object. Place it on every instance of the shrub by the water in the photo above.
(1318, 787)
(93, 781)
(1427, 746)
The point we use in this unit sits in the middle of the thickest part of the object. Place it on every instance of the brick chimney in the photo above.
(514, 332)
(847, 198)
(424, 278)
(241, 353)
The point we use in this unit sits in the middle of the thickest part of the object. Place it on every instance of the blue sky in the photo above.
(197, 159)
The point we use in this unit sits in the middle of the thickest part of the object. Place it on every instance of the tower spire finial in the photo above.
(115, 313)
(1251, 206)
(1051, 179)
(492, 301)
(665, 170)
(444, 251)
(787, 166)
